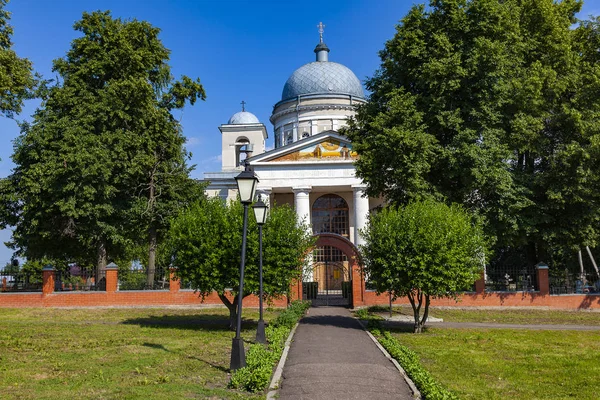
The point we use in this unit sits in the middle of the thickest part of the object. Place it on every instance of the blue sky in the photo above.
(241, 50)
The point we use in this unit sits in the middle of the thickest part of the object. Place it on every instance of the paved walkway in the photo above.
(332, 357)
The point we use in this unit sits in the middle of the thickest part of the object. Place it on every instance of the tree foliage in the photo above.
(17, 80)
(103, 140)
(493, 105)
(206, 239)
(423, 250)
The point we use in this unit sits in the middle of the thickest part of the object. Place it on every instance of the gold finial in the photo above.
(320, 26)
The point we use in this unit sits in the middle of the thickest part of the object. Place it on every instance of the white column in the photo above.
(302, 203)
(302, 206)
(295, 132)
(361, 212)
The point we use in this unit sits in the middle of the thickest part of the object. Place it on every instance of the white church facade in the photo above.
(310, 168)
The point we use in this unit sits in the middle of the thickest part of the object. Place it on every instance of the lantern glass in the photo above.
(246, 183)
(260, 211)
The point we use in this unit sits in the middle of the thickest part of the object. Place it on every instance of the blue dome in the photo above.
(243, 117)
(322, 78)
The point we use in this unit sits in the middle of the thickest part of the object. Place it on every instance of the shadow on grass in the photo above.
(205, 322)
(161, 347)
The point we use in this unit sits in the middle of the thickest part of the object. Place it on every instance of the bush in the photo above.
(260, 359)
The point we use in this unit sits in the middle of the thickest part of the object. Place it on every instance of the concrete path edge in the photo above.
(274, 386)
(416, 393)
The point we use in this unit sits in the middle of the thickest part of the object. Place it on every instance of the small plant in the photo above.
(362, 313)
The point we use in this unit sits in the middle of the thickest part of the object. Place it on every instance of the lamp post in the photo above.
(260, 212)
(246, 183)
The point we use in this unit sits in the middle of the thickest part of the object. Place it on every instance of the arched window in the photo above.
(330, 215)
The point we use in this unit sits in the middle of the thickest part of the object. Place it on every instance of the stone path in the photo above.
(332, 357)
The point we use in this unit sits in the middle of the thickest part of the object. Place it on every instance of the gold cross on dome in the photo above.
(321, 26)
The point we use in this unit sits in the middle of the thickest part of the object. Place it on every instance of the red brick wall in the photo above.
(502, 299)
(188, 297)
(119, 299)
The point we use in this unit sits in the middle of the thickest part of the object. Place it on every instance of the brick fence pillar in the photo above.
(480, 284)
(112, 277)
(358, 286)
(48, 279)
(174, 282)
(543, 281)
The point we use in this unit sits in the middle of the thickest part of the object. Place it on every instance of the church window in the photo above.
(324, 125)
(328, 253)
(288, 133)
(305, 135)
(330, 215)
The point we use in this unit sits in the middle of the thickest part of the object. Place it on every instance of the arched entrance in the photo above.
(333, 273)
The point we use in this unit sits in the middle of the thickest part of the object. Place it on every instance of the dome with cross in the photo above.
(322, 77)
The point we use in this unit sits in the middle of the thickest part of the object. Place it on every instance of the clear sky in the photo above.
(240, 50)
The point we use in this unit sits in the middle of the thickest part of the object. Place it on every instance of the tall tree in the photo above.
(493, 105)
(424, 250)
(205, 242)
(16, 74)
(101, 137)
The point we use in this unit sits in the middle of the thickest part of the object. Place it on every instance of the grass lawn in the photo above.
(502, 316)
(120, 353)
(510, 364)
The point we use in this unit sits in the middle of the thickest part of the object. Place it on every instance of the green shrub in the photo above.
(260, 360)
(430, 389)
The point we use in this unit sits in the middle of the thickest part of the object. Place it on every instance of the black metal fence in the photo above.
(142, 279)
(510, 278)
(20, 282)
(79, 278)
(567, 282)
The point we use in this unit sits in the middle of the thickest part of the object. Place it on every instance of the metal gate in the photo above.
(330, 280)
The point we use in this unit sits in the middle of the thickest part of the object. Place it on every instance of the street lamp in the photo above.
(260, 212)
(246, 183)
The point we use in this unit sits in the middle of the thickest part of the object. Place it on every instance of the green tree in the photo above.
(424, 250)
(206, 241)
(493, 105)
(17, 81)
(103, 139)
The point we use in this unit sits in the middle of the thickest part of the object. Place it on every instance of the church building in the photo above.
(310, 167)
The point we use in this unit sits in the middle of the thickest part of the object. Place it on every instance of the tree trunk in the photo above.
(151, 258)
(416, 301)
(101, 265)
(151, 237)
(416, 306)
(232, 307)
(532, 258)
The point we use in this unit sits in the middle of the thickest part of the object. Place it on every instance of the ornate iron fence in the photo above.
(78, 278)
(568, 282)
(510, 278)
(142, 279)
(20, 282)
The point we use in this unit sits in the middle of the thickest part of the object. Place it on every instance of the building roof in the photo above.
(322, 77)
(242, 118)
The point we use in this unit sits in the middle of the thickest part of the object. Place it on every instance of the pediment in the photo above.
(324, 147)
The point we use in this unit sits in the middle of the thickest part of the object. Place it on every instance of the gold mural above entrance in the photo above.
(327, 150)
